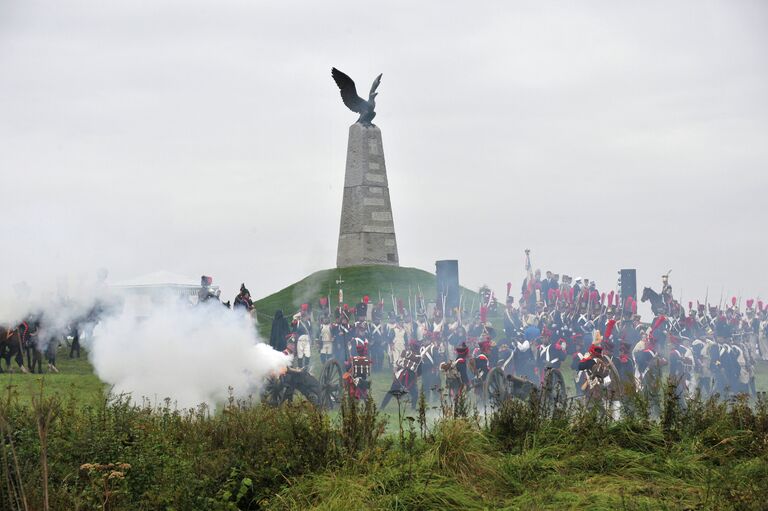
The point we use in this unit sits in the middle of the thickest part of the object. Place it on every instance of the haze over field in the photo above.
(208, 137)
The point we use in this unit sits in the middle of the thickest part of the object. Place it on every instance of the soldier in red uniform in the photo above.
(359, 371)
(407, 370)
(457, 376)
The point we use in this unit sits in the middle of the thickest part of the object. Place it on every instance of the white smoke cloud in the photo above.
(191, 355)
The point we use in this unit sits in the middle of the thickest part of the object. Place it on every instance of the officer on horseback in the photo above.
(666, 292)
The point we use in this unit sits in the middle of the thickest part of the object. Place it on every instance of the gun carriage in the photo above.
(323, 391)
(500, 387)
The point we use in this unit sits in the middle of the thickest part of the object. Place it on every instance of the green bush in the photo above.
(118, 455)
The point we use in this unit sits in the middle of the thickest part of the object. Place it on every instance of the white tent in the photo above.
(156, 289)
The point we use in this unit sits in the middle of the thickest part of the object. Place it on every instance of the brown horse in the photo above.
(11, 346)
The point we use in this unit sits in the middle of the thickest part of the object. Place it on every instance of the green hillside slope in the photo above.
(373, 281)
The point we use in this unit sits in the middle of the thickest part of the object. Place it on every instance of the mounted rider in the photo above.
(207, 291)
(666, 292)
(243, 300)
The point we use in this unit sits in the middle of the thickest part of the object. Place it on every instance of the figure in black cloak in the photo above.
(278, 338)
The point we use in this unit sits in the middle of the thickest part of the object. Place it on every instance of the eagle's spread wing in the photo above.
(376, 83)
(348, 92)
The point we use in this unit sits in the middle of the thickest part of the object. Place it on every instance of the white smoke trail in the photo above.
(188, 354)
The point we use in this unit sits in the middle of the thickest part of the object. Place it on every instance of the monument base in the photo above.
(367, 231)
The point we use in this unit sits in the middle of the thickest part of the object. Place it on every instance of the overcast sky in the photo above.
(207, 137)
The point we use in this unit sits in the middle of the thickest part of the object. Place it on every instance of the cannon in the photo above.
(323, 391)
(500, 386)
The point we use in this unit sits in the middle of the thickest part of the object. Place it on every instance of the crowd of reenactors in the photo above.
(553, 324)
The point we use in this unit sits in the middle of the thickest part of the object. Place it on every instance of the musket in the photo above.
(444, 297)
(421, 299)
(706, 298)
(720, 305)
(394, 305)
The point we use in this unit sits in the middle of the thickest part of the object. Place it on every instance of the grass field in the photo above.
(77, 380)
(710, 457)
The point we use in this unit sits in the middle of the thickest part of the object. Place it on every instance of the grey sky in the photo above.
(208, 137)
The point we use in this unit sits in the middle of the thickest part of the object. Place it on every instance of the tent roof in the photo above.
(158, 279)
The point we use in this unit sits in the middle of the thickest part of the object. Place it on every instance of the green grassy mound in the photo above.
(374, 281)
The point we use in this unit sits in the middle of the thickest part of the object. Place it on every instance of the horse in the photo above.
(32, 343)
(11, 346)
(657, 302)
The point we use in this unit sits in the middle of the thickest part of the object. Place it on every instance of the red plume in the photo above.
(399, 306)
(617, 298)
(690, 305)
(760, 305)
(304, 307)
(733, 301)
(366, 299)
(483, 313)
(610, 298)
(570, 295)
(609, 329)
(323, 301)
(750, 302)
(509, 288)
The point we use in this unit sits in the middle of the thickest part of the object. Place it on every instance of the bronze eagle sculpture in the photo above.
(352, 100)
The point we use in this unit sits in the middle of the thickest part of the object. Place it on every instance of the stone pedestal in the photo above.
(367, 231)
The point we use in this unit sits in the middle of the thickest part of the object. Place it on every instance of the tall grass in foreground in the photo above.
(117, 455)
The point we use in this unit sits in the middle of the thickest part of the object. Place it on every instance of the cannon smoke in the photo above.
(191, 355)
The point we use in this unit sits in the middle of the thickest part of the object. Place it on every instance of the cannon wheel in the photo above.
(332, 384)
(275, 391)
(553, 393)
(496, 391)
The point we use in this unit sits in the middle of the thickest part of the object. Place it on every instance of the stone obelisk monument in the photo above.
(366, 232)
